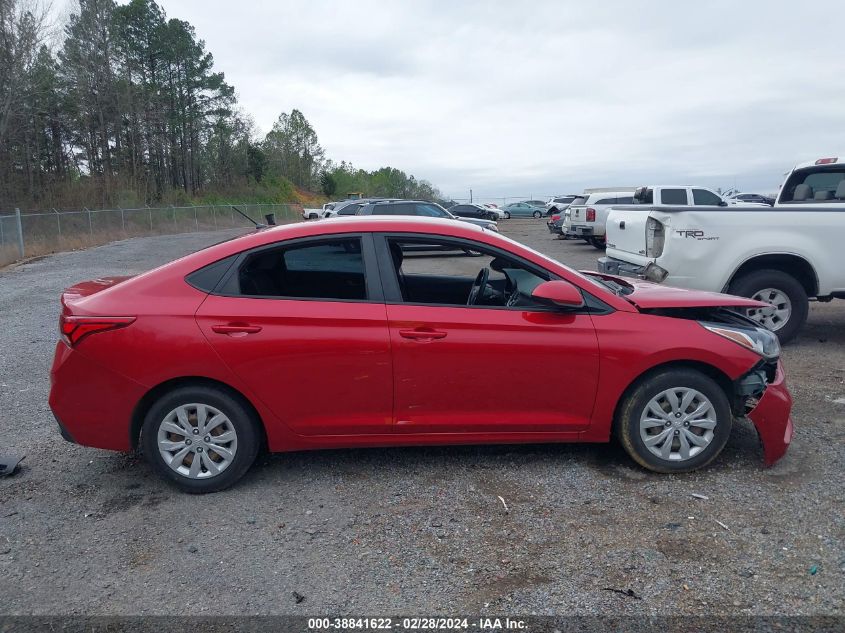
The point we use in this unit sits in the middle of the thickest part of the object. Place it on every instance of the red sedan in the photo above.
(385, 331)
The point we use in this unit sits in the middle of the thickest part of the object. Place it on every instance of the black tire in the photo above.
(627, 423)
(507, 215)
(750, 284)
(537, 215)
(599, 243)
(241, 418)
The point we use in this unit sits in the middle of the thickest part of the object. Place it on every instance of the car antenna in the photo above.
(258, 225)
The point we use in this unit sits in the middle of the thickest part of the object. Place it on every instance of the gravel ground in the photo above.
(419, 530)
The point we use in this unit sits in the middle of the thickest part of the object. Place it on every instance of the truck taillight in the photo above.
(591, 215)
(74, 328)
(655, 238)
(556, 217)
(826, 161)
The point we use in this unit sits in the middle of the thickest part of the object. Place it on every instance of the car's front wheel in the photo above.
(675, 420)
(200, 438)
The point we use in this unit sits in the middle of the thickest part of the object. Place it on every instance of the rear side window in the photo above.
(674, 196)
(329, 269)
(625, 200)
(607, 201)
(820, 184)
(702, 196)
(207, 277)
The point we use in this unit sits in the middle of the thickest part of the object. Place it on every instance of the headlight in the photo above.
(759, 340)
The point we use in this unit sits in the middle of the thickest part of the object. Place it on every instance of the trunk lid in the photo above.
(646, 295)
(626, 230)
(84, 289)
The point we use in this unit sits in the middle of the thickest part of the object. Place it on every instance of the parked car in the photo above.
(778, 257)
(312, 214)
(750, 198)
(586, 219)
(350, 207)
(524, 210)
(470, 210)
(560, 203)
(419, 208)
(405, 343)
(497, 213)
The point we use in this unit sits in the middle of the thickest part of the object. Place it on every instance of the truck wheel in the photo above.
(674, 421)
(599, 242)
(784, 294)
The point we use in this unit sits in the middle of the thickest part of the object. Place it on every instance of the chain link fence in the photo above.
(31, 234)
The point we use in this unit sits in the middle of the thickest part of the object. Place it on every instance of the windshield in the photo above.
(433, 211)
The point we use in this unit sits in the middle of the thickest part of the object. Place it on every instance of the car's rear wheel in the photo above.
(200, 438)
(507, 215)
(599, 242)
(675, 420)
(787, 299)
(537, 215)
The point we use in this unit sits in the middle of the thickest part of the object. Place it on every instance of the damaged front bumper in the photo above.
(771, 417)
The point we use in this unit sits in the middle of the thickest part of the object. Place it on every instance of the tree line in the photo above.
(128, 109)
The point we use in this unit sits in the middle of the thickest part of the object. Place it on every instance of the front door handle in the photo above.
(236, 329)
(422, 334)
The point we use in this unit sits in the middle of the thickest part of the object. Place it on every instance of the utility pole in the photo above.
(470, 196)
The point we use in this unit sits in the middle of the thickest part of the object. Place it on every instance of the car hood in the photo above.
(648, 296)
(484, 223)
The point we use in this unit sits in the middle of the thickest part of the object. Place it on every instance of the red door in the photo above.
(322, 367)
(471, 370)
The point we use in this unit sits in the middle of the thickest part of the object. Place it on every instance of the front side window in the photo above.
(674, 196)
(328, 269)
(702, 196)
(431, 270)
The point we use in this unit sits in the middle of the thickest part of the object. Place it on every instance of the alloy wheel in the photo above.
(197, 441)
(777, 313)
(677, 424)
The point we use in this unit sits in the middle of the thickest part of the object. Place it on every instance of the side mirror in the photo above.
(558, 293)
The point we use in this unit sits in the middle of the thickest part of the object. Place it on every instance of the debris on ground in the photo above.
(8, 465)
(297, 596)
(625, 592)
(699, 496)
(507, 510)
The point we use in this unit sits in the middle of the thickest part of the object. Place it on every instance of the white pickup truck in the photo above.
(783, 255)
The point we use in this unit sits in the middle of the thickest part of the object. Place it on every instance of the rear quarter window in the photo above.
(819, 179)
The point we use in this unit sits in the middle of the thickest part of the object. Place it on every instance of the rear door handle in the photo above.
(234, 329)
(422, 334)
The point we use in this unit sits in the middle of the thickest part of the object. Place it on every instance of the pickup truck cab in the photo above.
(784, 255)
(587, 220)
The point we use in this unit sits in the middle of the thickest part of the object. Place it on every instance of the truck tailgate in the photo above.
(626, 230)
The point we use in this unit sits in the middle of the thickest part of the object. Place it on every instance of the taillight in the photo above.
(556, 217)
(826, 161)
(591, 215)
(74, 328)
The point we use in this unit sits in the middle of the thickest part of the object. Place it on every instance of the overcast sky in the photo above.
(539, 98)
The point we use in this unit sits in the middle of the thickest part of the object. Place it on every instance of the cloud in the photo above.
(543, 97)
